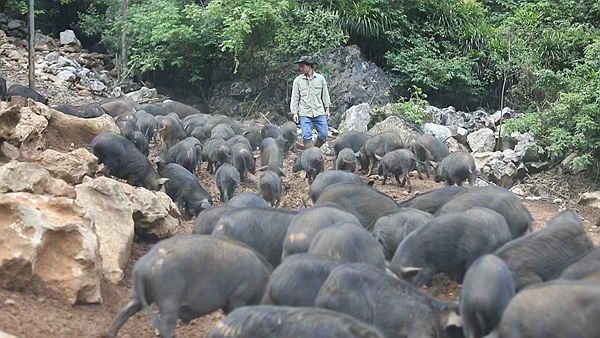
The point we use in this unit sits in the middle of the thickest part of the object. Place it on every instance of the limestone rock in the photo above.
(440, 132)
(3, 38)
(67, 76)
(459, 133)
(111, 210)
(56, 187)
(454, 146)
(9, 119)
(70, 41)
(15, 24)
(21, 176)
(356, 118)
(49, 246)
(77, 131)
(70, 167)
(43, 42)
(154, 213)
(145, 94)
(6, 335)
(590, 199)
(34, 120)
(396, 125)
(32, 178)
(482, 140)
(483, 160)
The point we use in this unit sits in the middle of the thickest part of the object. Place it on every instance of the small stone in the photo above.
(9, 302)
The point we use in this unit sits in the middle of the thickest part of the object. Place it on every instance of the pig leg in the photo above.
(371, 165)
(169, 305)
(384, 173)
(133, 307)
(419, 167)
(472, 179)
(169, 313)
(230, 193)
(407, 180)
(106, 171)
(223, 197)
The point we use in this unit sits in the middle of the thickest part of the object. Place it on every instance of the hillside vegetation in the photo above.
(539, 57)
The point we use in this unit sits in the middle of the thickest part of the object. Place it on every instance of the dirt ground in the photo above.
(27, 315)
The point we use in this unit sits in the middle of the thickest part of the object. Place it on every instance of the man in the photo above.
(310, 103)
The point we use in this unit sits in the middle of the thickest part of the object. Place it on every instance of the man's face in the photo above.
(304, 68)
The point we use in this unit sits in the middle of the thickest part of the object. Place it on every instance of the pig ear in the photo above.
(433, 164)
(453, 319)
(256, 156)
(263, 168)
(205, 204)
(357, 154)
(378, 157)
(280, 172)
(409, 272)
(162, 180)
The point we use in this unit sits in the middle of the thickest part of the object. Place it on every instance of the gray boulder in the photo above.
(356, 118)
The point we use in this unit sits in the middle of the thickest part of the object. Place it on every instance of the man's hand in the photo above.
(295, 118)
(327, 115)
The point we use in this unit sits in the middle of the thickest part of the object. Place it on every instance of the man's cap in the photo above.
(307, 60)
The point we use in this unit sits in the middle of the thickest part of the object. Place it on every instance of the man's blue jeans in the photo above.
(318, 122)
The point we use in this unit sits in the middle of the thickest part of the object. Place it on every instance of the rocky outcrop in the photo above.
(154, 213)
(9, 118)
(120, 211)
(33, 125)
(70, 167)
(591, 198)
(351, 78)
(49, 246)
(356, 118)
(109, 206)
(31, 178)
(77, 131)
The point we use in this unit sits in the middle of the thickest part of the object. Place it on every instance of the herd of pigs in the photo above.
(351, 265)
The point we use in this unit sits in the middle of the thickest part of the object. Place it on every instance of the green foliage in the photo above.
(159, 38)
(413, 108)
(93, 20)
(16, 6)
(243, 27)
(540, 57)
(364, 18)
(448, 80)
(307, 31)
(572, 121)
(438, 49)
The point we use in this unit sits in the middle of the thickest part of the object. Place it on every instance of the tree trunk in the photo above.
(123, 44)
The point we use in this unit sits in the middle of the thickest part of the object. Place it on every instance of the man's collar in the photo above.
(309, 78)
